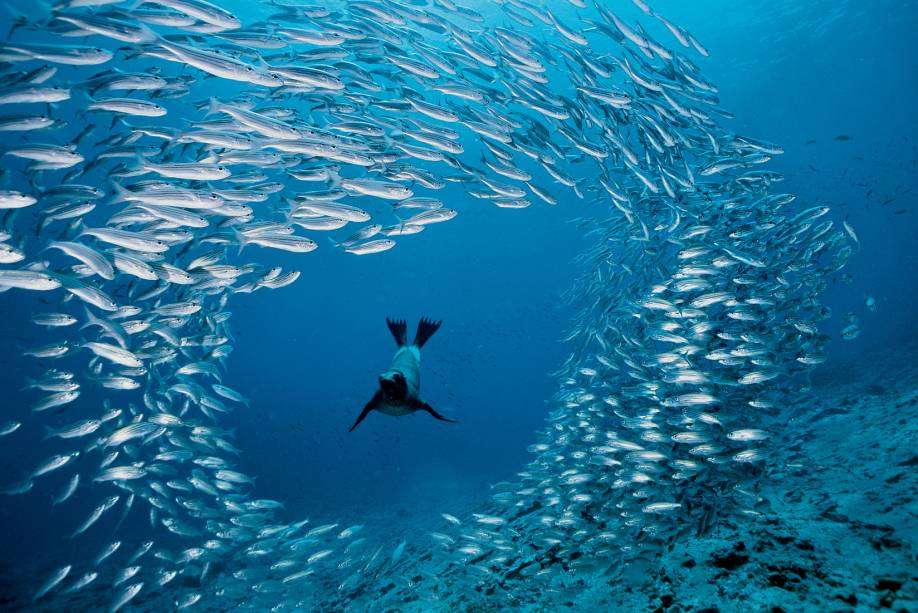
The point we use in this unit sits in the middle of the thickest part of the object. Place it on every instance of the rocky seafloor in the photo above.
(840, 532)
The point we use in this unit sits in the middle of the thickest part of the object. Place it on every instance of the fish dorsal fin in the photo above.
(399, 330)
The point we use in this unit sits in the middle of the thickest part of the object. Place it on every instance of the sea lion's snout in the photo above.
(392, 383)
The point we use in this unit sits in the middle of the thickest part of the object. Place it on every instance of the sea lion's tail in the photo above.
(426, 329)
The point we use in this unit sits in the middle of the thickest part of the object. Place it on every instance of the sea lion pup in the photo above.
(399, 390)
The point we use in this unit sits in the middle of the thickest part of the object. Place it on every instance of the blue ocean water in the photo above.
(834, 83)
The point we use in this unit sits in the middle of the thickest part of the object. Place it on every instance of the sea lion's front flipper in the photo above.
(374, 402)
(426, 407)
(399, 330)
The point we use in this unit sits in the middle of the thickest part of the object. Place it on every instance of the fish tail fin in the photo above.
(214, 106)
(426, 329)
(399, 330)
(91, 320)
(388, 139)
(80, 228)
(18, 19)
(140, 165)
(119, 194)
(242, 242)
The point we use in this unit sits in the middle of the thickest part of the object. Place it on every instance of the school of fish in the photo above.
(699, 302)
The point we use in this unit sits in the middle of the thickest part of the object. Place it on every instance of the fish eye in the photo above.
(249, 68)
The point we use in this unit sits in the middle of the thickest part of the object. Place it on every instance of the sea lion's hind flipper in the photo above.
(399, 330)
(423, 405)
(374, 402)
(426, 329)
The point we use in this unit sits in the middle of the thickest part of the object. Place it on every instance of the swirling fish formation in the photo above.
(699, 301)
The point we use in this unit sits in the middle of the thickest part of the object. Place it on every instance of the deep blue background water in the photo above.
(307, 356)
(494, 276)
